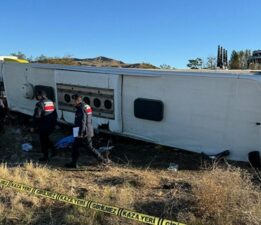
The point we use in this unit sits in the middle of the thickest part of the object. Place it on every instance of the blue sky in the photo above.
(158, 32)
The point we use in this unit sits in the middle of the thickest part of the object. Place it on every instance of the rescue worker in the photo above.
(44, 121)
(83, 121)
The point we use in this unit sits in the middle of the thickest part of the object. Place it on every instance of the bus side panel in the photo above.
(101, 82)
(18, 79)
(198, 113)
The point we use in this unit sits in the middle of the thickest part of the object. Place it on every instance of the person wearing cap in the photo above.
(83, 121)
(44, 122)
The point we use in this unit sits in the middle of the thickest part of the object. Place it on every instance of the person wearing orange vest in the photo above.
(83, 121)
(44, 122)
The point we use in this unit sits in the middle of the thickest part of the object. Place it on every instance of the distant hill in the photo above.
(100, 61)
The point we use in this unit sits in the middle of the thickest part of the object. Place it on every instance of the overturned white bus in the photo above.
(201, 111)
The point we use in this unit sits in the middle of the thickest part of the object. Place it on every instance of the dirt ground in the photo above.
(126, 151)
(139, 179)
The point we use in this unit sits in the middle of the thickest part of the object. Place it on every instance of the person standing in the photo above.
(44, 122)
(83, 122)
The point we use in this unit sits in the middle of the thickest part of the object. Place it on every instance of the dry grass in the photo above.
(217, 196)
(228, 197)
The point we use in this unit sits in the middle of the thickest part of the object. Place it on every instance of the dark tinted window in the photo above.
(48, 90)
(148, 109)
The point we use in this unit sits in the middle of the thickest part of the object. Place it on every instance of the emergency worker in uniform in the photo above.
(83, 121)
(44, 122)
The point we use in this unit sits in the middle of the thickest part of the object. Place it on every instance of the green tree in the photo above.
(234, 62)
(195, 63)
(238, 59)
(211, 63)
(243, 57)
(41, 58)
(19, 55)
(30, 59)
(166, 67)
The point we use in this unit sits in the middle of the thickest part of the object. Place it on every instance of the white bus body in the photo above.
(202, 111)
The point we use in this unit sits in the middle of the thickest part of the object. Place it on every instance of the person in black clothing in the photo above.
(44, 121)
(83, 120)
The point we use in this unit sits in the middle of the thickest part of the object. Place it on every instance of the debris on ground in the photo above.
(218, 156)
(105, 149)
(138, 179)
(27, 147)
(173, 167)
(65, 142)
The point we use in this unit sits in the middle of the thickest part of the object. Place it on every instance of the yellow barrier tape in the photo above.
(143, 218)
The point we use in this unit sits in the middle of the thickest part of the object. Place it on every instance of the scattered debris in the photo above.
(65, 142)
(216, 156)
(27, 147)
(17, 131)
(173, 167)
(105, 149)
(186, 187)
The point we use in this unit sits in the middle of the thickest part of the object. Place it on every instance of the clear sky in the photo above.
(154, 31)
